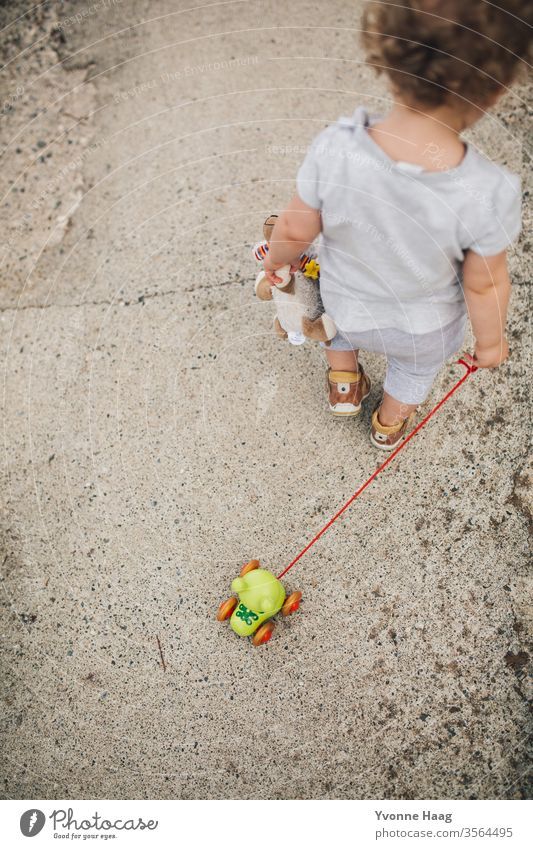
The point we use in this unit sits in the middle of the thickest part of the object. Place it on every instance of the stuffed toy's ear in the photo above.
(268, 226)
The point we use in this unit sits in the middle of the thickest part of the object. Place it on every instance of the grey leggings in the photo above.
(413, 359)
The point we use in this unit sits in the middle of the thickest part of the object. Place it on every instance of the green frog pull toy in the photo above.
(261, 596)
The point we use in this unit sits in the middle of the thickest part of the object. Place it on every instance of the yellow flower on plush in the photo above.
(312, 269)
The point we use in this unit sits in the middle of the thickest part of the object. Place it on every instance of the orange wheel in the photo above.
(263, 634)
(249, 567)
(226, 609)
(292, 603)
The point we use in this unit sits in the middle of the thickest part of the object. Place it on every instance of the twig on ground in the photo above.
(161, 653)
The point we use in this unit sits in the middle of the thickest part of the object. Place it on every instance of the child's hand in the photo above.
(493, 356)
(270, 271)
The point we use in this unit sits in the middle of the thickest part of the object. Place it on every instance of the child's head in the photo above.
(454, 52)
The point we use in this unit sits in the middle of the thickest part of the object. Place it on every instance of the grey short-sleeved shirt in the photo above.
(394, 236)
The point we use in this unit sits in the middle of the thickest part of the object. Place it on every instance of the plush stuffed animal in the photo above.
(300, 312)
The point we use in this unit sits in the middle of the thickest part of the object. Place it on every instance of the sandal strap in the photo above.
(345, 376)
(387, 430)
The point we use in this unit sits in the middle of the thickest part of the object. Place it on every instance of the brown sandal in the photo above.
(347, 390)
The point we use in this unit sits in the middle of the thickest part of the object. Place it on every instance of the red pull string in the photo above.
(470, 369)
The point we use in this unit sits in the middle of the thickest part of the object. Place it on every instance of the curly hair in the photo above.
(437, 50)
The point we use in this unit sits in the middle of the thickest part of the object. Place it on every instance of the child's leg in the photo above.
(342, 360)
(413, 363)
(392, 412)
(391, 419)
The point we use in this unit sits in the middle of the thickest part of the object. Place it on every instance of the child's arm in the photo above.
(487, 290)
(293, 232)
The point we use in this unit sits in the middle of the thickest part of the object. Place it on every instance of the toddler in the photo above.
(413, 221)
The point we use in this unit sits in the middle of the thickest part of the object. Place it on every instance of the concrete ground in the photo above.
(157, 435)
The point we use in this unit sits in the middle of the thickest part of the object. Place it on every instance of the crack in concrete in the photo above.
(119, 303)
(519, 479)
